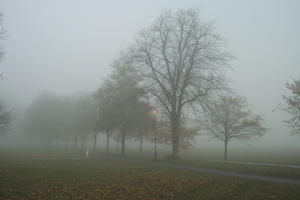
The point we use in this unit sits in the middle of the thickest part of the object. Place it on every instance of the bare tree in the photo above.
(293, 106)
(5, 119)
(2, 35)
(181, 61)
(228, 118)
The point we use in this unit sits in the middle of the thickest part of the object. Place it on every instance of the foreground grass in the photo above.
(88, 179)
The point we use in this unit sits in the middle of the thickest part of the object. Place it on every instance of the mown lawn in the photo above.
(103, 179)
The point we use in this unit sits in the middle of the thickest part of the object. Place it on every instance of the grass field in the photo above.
(104, 179)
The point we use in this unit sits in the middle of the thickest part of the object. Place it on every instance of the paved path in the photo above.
(251, 163)
(211, 171)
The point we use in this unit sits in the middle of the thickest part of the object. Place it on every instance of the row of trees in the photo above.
(175, 67)
(52, 119)
(119, 110)
(129, 116)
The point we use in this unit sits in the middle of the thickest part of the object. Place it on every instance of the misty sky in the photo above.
(66, 47)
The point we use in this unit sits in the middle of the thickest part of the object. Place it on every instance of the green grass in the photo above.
(96, 179)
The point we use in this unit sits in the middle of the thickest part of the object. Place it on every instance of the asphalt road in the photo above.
(252, 163)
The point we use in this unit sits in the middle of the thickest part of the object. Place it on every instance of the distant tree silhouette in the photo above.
(228, 118)
(121, 97)
(5, 119)
(293, 106)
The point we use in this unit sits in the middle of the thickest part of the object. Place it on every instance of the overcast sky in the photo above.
(66, 47)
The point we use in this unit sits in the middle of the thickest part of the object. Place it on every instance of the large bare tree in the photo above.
(293, 106)
(181, 60)
(229, 118)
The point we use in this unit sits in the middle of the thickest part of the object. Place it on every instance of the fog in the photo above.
(67, 47)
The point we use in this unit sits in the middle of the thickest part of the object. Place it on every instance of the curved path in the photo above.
(211, 171)
(251, 163)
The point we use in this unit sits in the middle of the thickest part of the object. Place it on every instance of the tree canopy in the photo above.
(120, 97)
(181, 60)
(293, 106)
(228, 118)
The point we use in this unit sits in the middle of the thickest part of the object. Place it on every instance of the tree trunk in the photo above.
(107, 141)
(123, 143)
(225, 149)
(95, 143)
(175, 138)
(141, 144)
